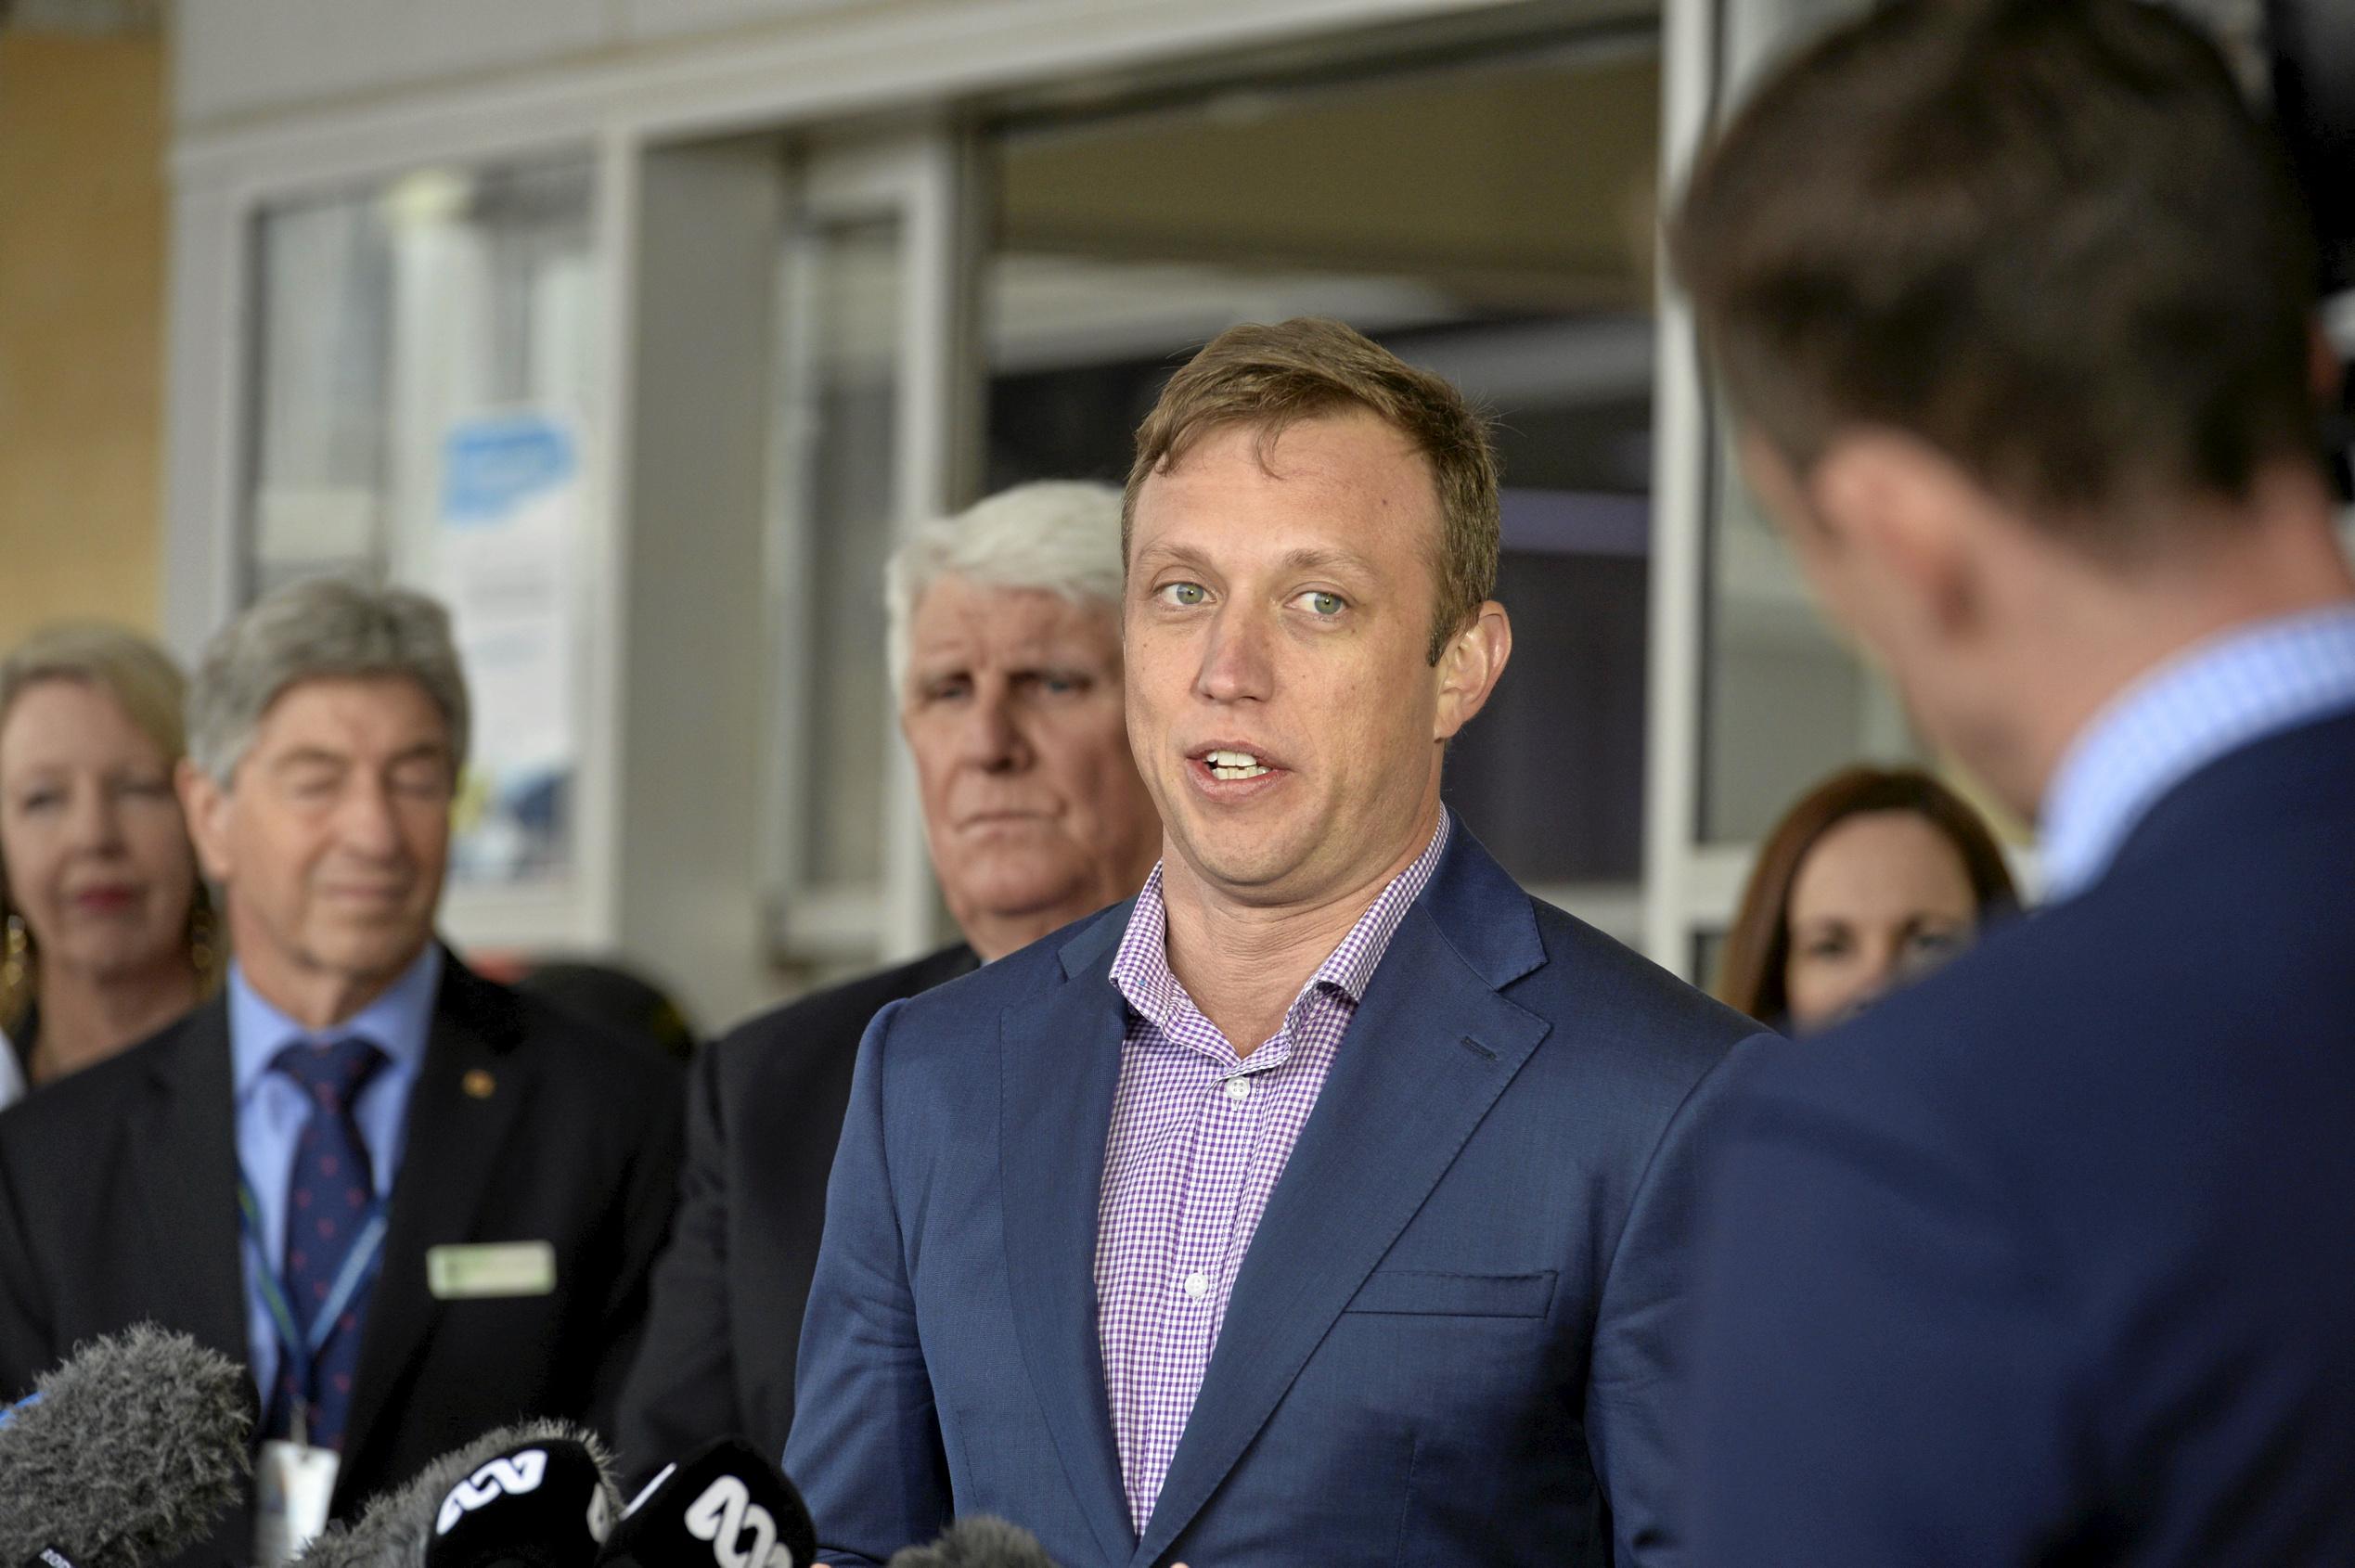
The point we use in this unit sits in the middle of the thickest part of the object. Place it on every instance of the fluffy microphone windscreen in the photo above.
(978, 1542)
(725, 1506)
(403, 1528)
(134, 1448)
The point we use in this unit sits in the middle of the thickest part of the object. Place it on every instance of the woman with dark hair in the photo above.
(1874, 877)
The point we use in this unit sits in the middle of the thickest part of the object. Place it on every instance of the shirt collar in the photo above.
(2215, 698)
(12, 1083)
(397, 1023)
(1141, 967)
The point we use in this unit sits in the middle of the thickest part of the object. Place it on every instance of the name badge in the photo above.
(293, 1485)
(483, 1270)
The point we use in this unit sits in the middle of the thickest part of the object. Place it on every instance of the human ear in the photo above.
(1915, 524)
(206, 807)
(1469, 667)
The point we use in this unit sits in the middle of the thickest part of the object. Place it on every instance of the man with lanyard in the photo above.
(417, 1203)
(320, 1116)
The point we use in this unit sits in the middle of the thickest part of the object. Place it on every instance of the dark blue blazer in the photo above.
(2051, 1259)
(1448, 1343)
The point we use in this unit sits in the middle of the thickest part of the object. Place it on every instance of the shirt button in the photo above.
(1198, 1285)
(1238, 1088)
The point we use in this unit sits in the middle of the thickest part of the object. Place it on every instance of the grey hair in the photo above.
(322, 628)
(1058, 535)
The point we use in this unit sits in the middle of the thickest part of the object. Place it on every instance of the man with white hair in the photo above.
(1005, 649)
(415, 1203)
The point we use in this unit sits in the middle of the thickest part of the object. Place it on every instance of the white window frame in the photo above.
(921, 181)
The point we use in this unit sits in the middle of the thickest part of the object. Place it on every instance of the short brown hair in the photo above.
(2048, 236)
(1268, 377)
(1757, 949)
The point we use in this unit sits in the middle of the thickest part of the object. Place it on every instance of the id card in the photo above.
(491, 1269)
(294, 1486)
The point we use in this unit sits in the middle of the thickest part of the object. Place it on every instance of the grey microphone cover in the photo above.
(136, 1447)
(978, 1542)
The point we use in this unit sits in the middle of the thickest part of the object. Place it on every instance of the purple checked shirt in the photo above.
(1199, 1138)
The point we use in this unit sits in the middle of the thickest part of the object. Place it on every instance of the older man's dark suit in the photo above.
(764, 1112)
(118, 1204)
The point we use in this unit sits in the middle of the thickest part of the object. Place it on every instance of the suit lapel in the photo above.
(1431, 1049)
(470, 1090)
(184, 1159)
(1060, 1066)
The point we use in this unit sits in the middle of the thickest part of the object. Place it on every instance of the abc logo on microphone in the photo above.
(742, 1532)
(515, 1475)
(726, 1506)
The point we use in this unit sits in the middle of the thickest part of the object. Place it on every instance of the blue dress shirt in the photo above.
(271, 1110)
(2217, 697)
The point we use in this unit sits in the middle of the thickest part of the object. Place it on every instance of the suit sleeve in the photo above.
(1634, 1377)
(649, 1193)
(25, 1348)
(865, 1444)
(1876, 1367)
(681, 1389)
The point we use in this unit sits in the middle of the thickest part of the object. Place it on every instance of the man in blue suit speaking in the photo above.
(1330, 1202)
(2051, 1258)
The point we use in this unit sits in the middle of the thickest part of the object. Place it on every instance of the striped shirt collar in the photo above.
(2225, 693)
(1141, 967)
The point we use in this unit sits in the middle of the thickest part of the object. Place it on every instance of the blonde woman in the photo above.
(105, 934)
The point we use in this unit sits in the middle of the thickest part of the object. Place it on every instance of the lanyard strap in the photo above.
(358, 1264)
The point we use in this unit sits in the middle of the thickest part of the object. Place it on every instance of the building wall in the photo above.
(82, 270)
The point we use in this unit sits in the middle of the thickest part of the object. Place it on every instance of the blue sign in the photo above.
(491, 464)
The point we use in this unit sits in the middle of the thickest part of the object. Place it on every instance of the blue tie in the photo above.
(331, 1190)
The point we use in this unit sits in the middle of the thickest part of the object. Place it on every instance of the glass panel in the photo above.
(427, 389)
(1482, 220)
(1708, 952)
(1785, 701)
(325, 276)
(843, 328)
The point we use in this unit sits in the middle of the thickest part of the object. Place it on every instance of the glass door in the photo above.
(870, 438)
(426, 411)
(1754, 698)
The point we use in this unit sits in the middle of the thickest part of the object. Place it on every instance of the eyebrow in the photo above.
(309, 757)
(1158, 553)
(1304, 559)
(1325, 560)
(319, 756)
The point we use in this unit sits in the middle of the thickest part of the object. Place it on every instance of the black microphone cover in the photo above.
(502, 1507)
(978, 1542)
(725, 1506)
(541, 1504)
(136, 1447)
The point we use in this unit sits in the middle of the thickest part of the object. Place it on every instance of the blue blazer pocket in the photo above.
(1428, 1293)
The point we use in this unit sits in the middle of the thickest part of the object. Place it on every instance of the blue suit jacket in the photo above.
(1449, 1341)
(2052, 1257)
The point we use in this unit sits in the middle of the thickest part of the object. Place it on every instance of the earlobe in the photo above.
(1905, 513)
(1469, 668)
(201, 803)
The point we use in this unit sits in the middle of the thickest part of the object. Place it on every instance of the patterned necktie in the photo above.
(329, 1190)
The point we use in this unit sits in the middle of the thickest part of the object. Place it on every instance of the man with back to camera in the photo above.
(1329, 1200)
(2047, 1259)
(417, 1205)
(1004, 623)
